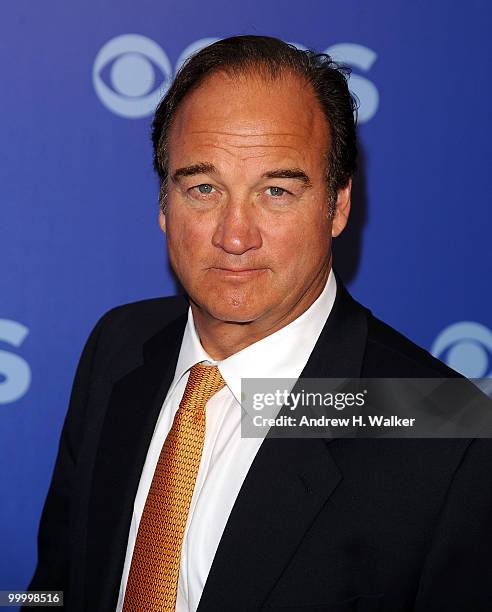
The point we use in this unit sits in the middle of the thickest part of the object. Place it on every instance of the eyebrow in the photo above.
(289, 173)
(206, 168)
(202, 168)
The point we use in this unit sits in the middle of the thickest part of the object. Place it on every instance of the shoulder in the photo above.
(126, 328)
(390, 354)
(145, 316)
(386, 352)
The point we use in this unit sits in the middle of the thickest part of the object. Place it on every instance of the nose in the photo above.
(237, 231)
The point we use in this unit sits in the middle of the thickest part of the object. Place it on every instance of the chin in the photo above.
(229, 314)
(229, 311)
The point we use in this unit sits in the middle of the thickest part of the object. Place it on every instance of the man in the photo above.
(151, 510)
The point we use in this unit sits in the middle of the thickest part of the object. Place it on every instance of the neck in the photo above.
(221, 339)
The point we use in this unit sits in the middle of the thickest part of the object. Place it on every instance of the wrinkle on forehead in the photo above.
(246, 147)
(248, 142)
(218, 132)
(244, 124)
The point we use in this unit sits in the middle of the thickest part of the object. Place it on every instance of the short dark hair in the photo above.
(269, 56)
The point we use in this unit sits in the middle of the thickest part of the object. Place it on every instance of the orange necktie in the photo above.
(153, 579)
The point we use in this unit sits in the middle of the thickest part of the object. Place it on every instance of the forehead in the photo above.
(250, 115)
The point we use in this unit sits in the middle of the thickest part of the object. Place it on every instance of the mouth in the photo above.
(239, 272)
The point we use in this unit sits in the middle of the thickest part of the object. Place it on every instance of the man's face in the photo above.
(247, 223)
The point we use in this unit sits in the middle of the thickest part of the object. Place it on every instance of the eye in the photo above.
(130, 74)
(205, 188)
(276, 191)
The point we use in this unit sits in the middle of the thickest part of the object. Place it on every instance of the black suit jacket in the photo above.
(335, 525)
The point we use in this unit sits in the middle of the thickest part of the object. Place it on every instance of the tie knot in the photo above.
(203, 382)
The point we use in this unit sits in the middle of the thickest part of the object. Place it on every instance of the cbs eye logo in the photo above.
(467, 348)
(131, 64)
(139, 72)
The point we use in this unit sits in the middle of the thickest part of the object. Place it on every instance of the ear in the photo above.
(342, 210)
(162, 221)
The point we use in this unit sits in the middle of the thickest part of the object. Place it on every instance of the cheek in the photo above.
(186, 239)
(302, 244)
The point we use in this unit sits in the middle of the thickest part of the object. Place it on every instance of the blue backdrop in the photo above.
(78, 230)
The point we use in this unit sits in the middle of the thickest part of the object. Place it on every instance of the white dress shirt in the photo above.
(227, 456)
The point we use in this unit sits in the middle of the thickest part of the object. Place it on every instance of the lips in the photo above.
(238, 271)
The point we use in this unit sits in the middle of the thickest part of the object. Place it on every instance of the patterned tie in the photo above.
(153, 579)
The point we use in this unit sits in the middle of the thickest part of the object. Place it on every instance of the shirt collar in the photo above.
(282, 354)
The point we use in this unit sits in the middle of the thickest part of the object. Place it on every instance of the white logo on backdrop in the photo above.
(132, 74)
(466, 347)
(362, 58)
(196, 46)
(15, 373)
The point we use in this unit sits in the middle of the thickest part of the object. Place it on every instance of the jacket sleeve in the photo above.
(51, 572)
(457, 574)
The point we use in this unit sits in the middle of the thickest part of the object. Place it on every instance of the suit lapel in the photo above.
(288, 483)
(133, 409)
